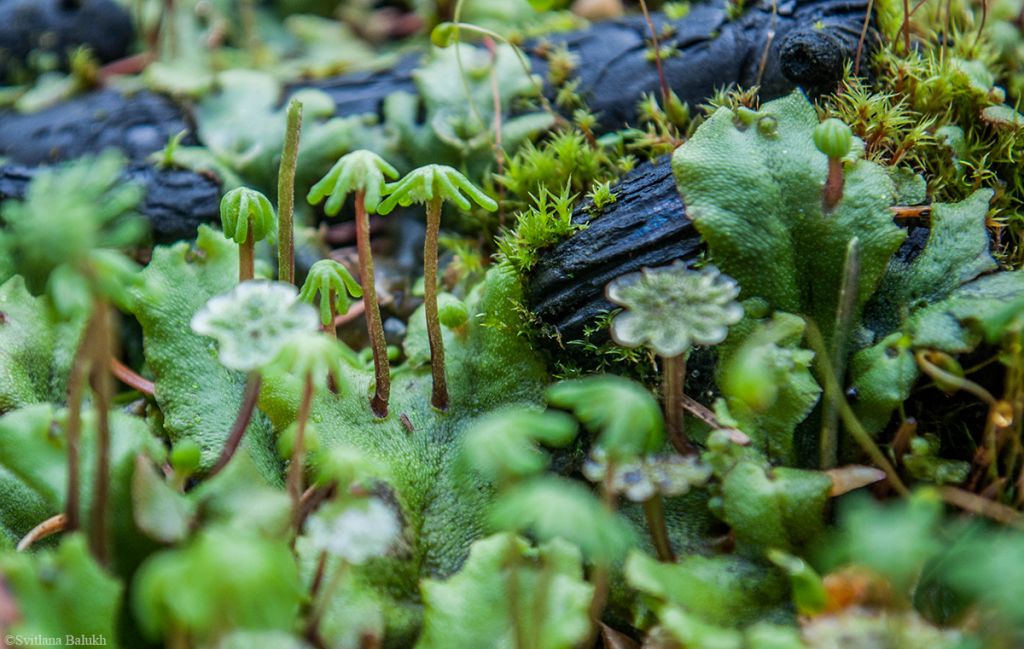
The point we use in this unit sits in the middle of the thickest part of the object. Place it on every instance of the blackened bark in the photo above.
(176, 201)
(645, 226)
(58, 27)
(801, 43)
(137, 125)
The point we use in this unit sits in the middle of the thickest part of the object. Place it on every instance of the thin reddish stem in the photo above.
(439, 395)
(674, 374)
(374, 322)
(834, 183)
(76, 393)
(246, 261)
(295, 468)
(654, 512)
(249, 398)
(99, 533)
(662, 81)
(129, 377)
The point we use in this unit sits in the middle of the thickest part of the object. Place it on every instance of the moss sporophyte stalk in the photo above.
(433, 185)
(363, 173)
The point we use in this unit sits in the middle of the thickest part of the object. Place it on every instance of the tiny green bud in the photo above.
(768, 126)
(245, 211)
(185, 457)
(451, 311)
(678, 111)
(746, 116)
(444, 34)
(833, 138)
(286, 441)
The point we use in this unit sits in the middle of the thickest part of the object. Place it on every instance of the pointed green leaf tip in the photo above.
(503, 446)
(444, 34)
(435, 181)
(624, 411)
(327, 276)
(360, 170)
(833, 138)
(672, 308)
(244, 210)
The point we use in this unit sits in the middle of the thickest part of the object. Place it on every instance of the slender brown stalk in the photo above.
(49, 527)
(318, 575)
(299, 448)
(76, 393)
(979, 505)
(657, 55)
(863, 37)
(249, 397)
(374, 323)
(129, 377)
(246, 262)
(655, 514)
(834, 183)
(99, 532)
(286, 194)
(313, 622)
(674, 374)
(331, 328)
(439, 395)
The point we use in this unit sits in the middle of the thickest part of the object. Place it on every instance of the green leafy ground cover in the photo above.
(852, 480)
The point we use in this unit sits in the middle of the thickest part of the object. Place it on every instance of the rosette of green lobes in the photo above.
(247, 217)
(672, 308)
(334, 285)
(360, 171)
(435, 182)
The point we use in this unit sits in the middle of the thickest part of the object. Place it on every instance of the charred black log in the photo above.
(137, 125)
(645, 226)
(58, 27)
(777, 46)
(176, 202)
(803, 43)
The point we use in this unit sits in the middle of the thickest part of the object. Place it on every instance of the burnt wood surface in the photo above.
(176, 201)
(58, 27)
(802, 43)
(137, 125)
(645, 226)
